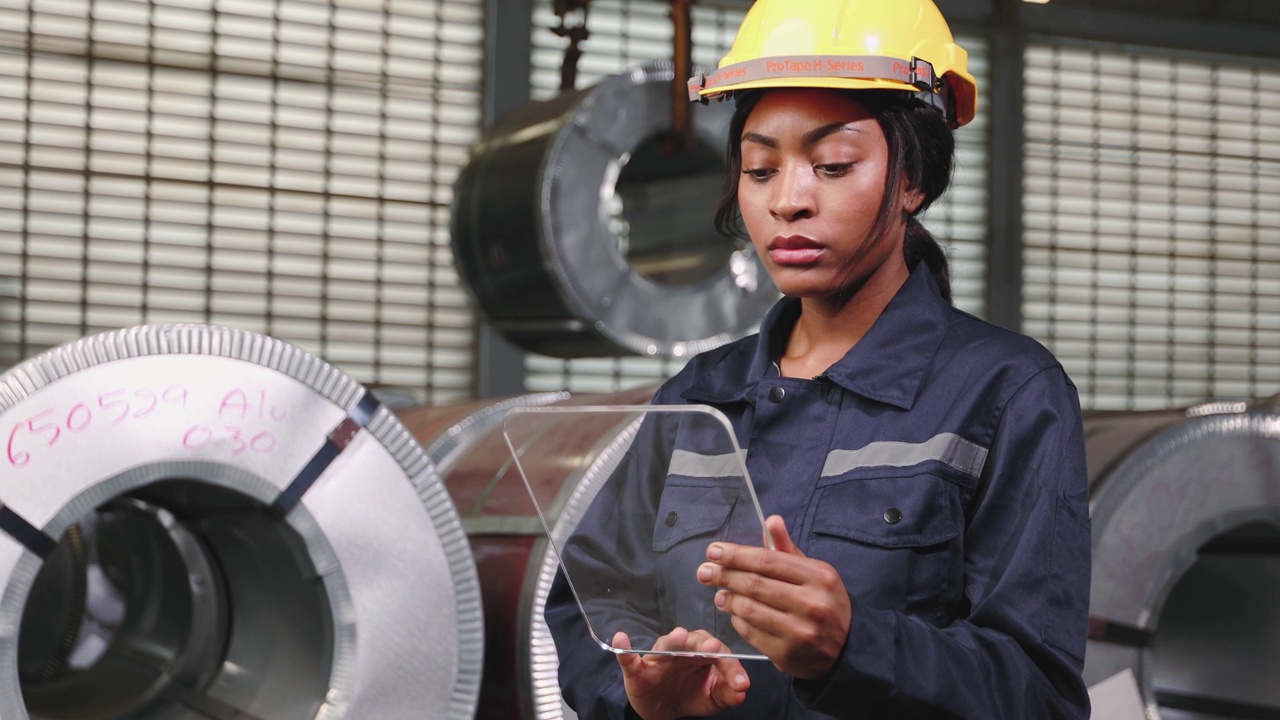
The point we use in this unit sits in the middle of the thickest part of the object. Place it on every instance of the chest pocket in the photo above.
(894, 540)
(690, 509)
(693, 513)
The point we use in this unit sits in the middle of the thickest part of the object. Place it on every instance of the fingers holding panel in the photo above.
(794, 609)
(776, 564)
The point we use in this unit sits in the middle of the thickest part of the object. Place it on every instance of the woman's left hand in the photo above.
(792, 608)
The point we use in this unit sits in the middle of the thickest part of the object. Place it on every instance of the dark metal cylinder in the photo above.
(579, 233)
(1185, 509)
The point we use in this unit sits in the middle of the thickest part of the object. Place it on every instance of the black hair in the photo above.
(921, 149)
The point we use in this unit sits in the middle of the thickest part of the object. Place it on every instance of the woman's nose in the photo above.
(794, 197)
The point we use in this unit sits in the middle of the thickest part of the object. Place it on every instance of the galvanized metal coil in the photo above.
(247, 532)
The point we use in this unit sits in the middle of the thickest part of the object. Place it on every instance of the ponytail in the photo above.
(920, 246)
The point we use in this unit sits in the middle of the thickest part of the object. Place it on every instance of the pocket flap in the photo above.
(911, 511)
(689, 510)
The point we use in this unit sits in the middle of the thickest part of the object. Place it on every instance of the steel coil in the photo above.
(206, 523)
(1185, 508)
(514, 560)
(578, 235)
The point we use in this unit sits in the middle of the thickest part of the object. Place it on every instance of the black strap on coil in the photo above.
(337, 441)
(30, 536)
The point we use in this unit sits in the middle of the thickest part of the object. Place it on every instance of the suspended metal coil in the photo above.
(578, 234)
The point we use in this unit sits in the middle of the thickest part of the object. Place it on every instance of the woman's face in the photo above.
(814, 165)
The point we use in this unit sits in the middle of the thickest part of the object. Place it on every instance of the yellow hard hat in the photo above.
(855, 44)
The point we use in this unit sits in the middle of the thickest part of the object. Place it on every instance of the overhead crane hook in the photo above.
(576, 34)
(679, 138)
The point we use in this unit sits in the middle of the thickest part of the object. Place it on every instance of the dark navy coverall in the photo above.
(939, 467)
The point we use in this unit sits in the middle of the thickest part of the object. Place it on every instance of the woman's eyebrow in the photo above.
(816, 134)
(810, 138)
(759, 139)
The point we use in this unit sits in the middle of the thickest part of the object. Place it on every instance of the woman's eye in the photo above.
(758, 174)
(834, 169)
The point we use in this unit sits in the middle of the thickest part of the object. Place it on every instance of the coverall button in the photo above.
(893, 516)
(671, 518)
(776, 393)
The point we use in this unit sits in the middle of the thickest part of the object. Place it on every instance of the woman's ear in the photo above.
(912, 199)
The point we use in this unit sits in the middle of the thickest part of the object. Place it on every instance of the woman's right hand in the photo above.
(665, 687)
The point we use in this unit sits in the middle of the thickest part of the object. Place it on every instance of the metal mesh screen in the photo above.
(1152, 235)
(628, 33)
(282, 166)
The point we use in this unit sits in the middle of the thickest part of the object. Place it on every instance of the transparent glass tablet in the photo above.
(669, 481)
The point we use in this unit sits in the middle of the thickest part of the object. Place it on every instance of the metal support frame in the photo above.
(508, 47)
(1005, 154)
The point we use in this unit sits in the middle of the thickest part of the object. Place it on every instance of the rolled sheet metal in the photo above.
(515, 562)
(1185, 509)
(577, 234)
(206, 523)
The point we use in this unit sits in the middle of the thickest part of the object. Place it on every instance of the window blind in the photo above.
(282, 166)
(628, 33)
(1152, 238)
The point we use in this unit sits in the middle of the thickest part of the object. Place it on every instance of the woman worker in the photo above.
(923, 470)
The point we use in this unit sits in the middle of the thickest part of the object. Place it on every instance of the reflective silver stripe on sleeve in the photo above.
(949, 448)
(691, 464)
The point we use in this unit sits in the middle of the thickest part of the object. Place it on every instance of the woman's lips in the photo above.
(794, 251)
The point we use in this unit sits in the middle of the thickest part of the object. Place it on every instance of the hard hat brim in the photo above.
(964, 93)
(841, 72)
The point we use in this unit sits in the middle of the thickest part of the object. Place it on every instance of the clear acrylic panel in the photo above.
(676, 482)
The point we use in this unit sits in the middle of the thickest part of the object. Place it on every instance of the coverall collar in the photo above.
(888, 365)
